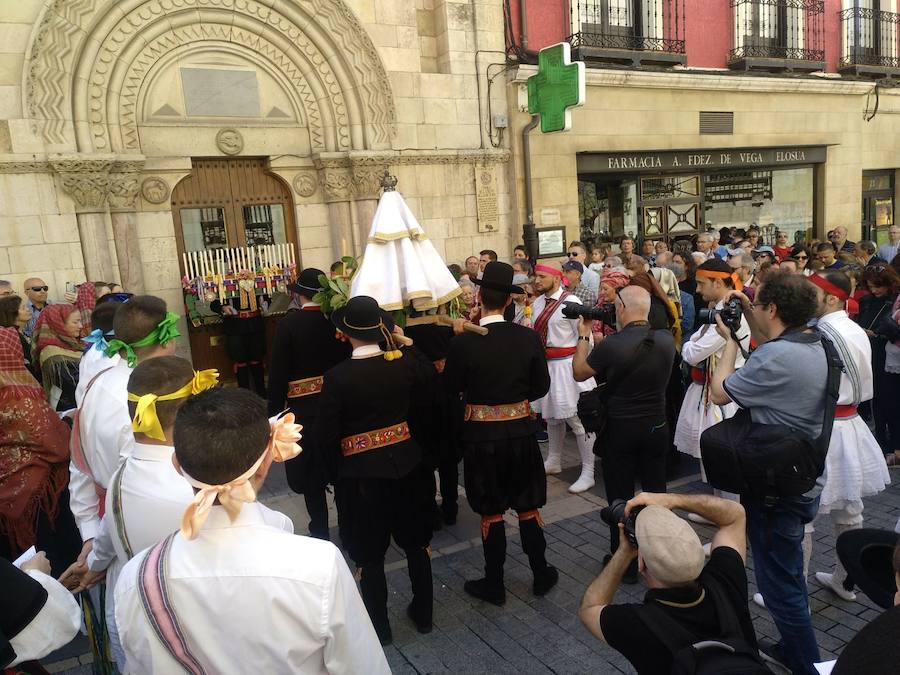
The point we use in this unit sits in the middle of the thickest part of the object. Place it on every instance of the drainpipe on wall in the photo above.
(523, 24)
(529, 231)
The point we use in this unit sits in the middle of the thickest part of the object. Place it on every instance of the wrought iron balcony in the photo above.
(871, 42)
(630, 32)
(778, 35)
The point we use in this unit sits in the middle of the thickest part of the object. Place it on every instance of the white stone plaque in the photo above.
(486, 198)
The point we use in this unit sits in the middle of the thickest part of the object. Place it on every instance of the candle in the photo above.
(193, 264)
(203, 270)
(184, 262)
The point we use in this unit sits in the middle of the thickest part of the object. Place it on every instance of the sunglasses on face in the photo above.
(38, 289)
(573, 254)
(802, 257)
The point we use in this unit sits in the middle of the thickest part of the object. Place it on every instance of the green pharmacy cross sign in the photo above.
(557, 88)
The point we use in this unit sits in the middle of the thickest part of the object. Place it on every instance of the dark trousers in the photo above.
(303, 479)
(887, 409)
(448, 475)
(629, 449)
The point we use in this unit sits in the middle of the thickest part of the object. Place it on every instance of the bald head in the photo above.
(632, 304)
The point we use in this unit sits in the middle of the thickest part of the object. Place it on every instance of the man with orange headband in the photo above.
(715, 279)
(147, 496)
(234, 590)
(854, 466)
(559, 407)
(383, 486)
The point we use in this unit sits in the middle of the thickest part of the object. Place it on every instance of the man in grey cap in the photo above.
(671, 560)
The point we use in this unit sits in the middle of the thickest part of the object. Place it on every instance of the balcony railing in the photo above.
(871, 42)
(777, 35)
(631, 32)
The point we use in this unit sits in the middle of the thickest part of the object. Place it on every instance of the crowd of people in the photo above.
(134, 477)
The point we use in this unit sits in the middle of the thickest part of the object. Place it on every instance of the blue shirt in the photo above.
(28, 329)
(888, 251)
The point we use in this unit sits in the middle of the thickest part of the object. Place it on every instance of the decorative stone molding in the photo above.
(12, 164)
(319, 42)
(305, 184)
(230, 141)
(86, 179)
(367, 180)
(155, 190)
(98, 181)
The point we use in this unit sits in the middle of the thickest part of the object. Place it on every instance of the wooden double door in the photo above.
(230, 203)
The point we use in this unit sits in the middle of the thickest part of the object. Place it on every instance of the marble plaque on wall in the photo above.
(486, 198)
(217, 92)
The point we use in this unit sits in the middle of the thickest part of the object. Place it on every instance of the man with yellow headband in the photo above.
(234, 591)
(102, 434)
(147, 496)
(715, 279)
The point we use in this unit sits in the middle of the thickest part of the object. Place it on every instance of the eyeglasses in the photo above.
(760, 304)
(38, 289)
(573, 254)
(619, 296)
(802, 257)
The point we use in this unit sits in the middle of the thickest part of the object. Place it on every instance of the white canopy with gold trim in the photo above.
(400, 264)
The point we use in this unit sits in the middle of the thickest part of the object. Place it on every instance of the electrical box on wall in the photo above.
(501, 121)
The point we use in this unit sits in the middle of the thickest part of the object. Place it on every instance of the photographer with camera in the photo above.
(715, 280)
(687, 601)
(632, 369)
(785, 385)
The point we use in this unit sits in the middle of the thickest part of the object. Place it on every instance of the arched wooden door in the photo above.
(227, 203)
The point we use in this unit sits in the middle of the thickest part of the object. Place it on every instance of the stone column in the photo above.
(366, 190)
(123, 191)
(86, 179)
(337, 187)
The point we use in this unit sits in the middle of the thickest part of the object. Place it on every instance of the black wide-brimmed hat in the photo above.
(498, 276)
(363, 319)
(307, 282)
(867, 555)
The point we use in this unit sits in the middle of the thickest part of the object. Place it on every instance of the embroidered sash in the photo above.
(158, 606)
(396, 433)
(118, 516)
(305, 387)
(497, 413)
(76, 448)
(542, 325)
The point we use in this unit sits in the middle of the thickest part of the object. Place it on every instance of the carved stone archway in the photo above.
(87, 58)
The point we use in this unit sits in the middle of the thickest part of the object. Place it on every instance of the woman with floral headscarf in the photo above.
(57, 350)
(611, 283)
(34, 465)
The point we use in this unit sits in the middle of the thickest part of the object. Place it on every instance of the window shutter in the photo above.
(717, 123)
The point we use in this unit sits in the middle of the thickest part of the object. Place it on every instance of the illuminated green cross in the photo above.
(557, 87)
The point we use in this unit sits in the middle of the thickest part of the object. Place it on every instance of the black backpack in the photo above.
(729, 654)
(770, 460)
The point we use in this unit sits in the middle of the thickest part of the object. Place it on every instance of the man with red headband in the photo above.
(559, 336)
(855, 466)
(715, 279)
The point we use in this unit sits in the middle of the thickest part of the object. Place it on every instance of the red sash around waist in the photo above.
(559, 352)
(698, 375)
(842, 412)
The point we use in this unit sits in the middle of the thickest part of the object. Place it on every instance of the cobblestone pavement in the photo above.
(544, 635)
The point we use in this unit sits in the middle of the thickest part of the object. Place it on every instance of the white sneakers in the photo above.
(586, 450)
(829, 581)
(552, 465)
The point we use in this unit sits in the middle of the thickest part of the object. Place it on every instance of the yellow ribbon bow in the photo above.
(234, 494)
(146, 420)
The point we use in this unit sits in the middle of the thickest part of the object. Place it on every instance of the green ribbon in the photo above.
(164, 333)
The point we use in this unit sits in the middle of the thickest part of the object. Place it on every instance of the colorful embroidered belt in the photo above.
(396, 433)
(698, 375)
(559, 352)
(439, 365)
(305, 387)
(497, 413)
(247, 315)
(842, 412)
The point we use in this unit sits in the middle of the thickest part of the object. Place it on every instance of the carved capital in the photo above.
(86, 179)
(335, 176)
(124, 181)
(367, 181)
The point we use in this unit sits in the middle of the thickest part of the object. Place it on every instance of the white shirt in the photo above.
(54, 626)
(106, 438)
(707, 342)
(251, 597)
(93, 361)
(153, 496)
(561, 332)
(365, 351)
(855, 351)
(488, 320)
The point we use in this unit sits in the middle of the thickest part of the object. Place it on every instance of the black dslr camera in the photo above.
(604, 313)
(731, 314)
(615, 514)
